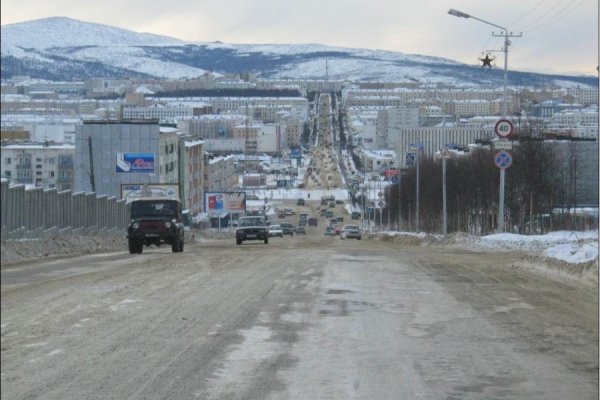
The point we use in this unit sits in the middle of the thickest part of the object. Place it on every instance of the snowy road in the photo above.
(300, 318)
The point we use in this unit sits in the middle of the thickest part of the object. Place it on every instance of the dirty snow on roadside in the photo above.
(569, 246)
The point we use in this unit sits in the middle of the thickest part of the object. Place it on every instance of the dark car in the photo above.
(313, 222)
(287, 228)
(155, 221)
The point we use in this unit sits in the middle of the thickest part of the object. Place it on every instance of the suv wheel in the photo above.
(135, 247)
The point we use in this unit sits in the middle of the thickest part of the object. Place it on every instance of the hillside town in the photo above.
(223, 133)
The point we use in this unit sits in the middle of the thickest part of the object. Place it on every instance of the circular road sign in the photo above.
(503, 128)
(503, 159)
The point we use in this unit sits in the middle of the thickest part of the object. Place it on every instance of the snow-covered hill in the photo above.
(66, 49)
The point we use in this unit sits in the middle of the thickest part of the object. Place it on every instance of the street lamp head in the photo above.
(457, 13)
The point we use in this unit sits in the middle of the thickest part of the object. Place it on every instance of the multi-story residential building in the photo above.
(219, 173)
(269, 140)
(40, 165)
(471, 108)
(293, 128)
(192, 175)
(586, 96)
(393, 118)
(250, 133)
(164, 113)
(43, 129)
(109, 154)
(210, 126)
(575, 123)
(102, 86)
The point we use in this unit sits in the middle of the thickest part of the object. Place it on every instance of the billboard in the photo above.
(135, 162)
(133, 191)
(225, 202)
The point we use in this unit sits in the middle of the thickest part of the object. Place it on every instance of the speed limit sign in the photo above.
(504, 128)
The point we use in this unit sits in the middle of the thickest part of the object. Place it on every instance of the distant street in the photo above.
(303, 317)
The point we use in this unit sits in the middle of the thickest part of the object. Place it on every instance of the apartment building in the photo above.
(192, 175)
(585, 96)
(219, 173)
(210, 126)
(39, 165)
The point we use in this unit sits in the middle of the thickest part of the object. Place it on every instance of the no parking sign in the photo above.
(503, 159)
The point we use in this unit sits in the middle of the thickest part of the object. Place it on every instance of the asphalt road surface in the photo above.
(303, 317)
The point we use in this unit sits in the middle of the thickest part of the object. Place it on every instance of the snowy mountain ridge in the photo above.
(61, 48)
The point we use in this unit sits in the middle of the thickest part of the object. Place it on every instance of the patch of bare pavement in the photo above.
(302, 317)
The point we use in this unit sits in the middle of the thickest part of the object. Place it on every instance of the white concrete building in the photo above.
(39, 165)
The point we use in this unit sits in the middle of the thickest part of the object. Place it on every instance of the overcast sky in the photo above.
(559, 36)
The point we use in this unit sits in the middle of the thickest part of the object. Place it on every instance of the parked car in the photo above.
(281, 214)
(313, 222)
(329, 214)
(301, 230)
(338, 230)
(330, 231)
(275, 231)
(350, 232)
(287, 228)
(300, 202)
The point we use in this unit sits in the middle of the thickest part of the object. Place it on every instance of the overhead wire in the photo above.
(545, 20)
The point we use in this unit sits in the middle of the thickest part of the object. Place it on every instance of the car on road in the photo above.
(330, 231)
(275, 231)
(350, 232)
(252, 228)
(155, 221)
(287, 228)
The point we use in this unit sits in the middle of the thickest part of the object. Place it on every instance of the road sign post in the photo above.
(503, 160)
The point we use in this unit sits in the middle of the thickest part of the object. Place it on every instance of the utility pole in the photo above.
(92, 178)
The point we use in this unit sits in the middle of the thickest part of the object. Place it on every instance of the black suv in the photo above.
(155, 221)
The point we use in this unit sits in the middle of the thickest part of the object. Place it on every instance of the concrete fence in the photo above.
(26, 211)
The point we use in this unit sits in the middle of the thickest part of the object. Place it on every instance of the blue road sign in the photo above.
(410, 159)
(503, 159)
(395, 179)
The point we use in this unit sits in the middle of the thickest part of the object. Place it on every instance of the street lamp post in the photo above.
(505, 35)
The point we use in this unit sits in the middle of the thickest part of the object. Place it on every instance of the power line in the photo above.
(552, 15)
(527, 13)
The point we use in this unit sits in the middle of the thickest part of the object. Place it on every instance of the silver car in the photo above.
(351, 232)
(275, 231)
